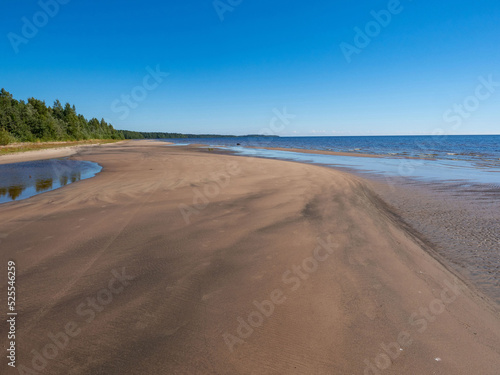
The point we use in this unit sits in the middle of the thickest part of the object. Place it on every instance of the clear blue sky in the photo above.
(227, 76)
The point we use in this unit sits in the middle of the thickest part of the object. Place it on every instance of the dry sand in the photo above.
(137, 289)
(48, 153)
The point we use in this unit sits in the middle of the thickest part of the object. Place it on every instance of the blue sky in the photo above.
(229, 71)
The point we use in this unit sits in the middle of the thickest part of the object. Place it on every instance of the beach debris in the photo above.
(437, 359)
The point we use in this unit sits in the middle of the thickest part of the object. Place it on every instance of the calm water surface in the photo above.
(474, 159)
(23, 180)
(483, 149)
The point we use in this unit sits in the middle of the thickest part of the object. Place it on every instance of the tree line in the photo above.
(33, 121)
(127, 134)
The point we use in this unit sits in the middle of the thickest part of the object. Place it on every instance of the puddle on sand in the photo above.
(23, 180)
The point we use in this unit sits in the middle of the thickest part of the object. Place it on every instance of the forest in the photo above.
(34, 121)
(127, 134)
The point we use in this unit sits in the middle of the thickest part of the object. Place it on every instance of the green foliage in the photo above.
(4, 137)
(127, 134)
(33, 121)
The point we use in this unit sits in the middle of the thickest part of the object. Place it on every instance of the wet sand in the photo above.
(336, 153)
(321, 152)
(461, 221)
(176, 260)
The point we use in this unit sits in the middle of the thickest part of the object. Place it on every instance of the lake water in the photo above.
(483, 149)
(23, 180)
(474, 159)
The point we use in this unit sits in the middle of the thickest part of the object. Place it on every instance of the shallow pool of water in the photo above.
(23, 180)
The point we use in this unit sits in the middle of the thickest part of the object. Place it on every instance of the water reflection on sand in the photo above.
(23, 180)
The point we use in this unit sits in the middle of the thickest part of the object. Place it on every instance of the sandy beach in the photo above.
(48, 153)
(178, 260)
